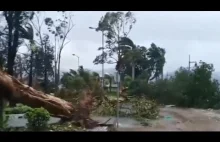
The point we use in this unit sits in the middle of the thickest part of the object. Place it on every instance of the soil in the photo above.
(178, 119)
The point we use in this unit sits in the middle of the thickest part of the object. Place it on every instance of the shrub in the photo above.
(138, 87)
(19, 109)
(185, 88)
(5, 122)
(37, 119)
(144, 108)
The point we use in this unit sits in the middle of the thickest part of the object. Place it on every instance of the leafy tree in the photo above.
(42, 62)
(117, 25)
(148, 63)
(13, 34)
(16, 32)
(132, 54)
(202, 88)
(44, 54)
(78, 80)
(185, 88)
(60, 28)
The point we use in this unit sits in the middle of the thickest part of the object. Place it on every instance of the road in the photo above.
(177, 119)
(170, 119)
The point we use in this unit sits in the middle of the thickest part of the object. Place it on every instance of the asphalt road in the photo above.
(177, 119)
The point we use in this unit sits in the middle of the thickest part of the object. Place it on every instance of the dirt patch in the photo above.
(177, 119)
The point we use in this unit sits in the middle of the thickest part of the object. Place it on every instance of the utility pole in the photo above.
(190, 62)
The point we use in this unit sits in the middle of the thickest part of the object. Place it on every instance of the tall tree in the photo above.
(131, 53)
(60, 28)
(43, 64)
(117, 25)
(16, 33)
(149, 62)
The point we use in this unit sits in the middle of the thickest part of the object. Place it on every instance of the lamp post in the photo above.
(191, 62)
(77, 57)
(102, 54)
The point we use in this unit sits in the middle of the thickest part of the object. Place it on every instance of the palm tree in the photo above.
(153, 58)
(131, 53)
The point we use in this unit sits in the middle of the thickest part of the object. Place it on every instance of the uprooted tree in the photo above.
(12, 89)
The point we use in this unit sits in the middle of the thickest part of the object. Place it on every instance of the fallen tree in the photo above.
(21, 93)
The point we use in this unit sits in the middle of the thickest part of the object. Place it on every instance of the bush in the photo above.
(185, 88)
(138, 87)
(143, 108)
(5, 122)
(19, 109)
(37, 119)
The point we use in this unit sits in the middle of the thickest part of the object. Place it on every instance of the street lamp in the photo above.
(77, 57)
(191, 62)
(102, 54)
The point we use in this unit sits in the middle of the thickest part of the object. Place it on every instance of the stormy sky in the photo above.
(180, 33)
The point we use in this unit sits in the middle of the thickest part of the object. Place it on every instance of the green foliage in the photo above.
(115, 26)
(79, 80)
(141, 108)
(148, 62)
(75, 82)
(106, 109)
(185, 88)
(127, 81)
(19, 109)
(144, 108)
(37, 119)
(4, 122)
(138, 87)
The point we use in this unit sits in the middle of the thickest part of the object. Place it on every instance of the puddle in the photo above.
(168, 117)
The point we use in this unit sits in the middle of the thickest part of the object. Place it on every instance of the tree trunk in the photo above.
(45, 69)
(12, 48)
(20, 69)
(1, 112)
(58, 71)
(133, 71)
(110, 90)
(31, 70)
(55, 76)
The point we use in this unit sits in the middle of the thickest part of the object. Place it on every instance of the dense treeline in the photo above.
(194, 88)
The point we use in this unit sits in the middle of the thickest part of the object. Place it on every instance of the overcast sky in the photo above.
(180, 33)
